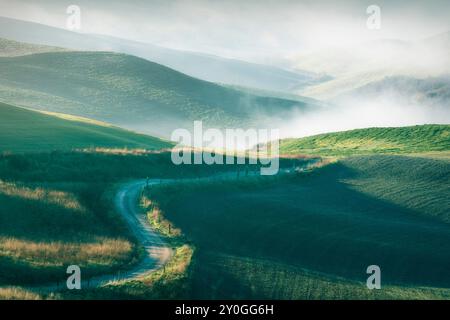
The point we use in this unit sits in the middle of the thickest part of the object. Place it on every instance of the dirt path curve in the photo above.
(157, 253)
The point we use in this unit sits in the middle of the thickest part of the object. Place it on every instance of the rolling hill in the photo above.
(414, 139)
(198, 65)
(23, 130)
(130, 92)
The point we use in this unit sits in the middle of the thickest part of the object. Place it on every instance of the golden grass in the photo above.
(169, 282)
(71, 117)
(157, 220)
(15, 293)
(60, 198)
(177, 266)
(103, 252)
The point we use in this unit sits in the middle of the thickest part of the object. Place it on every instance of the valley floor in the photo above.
(308, 235)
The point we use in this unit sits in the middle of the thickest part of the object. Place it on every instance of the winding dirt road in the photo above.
(157, 253)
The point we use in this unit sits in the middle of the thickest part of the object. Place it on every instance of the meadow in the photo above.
(57, 211)
(312, 236)
(308, 235)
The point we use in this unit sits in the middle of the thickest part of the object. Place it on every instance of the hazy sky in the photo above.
(242, 29)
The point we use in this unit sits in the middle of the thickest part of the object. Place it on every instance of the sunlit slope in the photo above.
(130, 92)
(23, 130)
(414, 139)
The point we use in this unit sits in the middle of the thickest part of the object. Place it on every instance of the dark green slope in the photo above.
(388, 210)
(23, 130)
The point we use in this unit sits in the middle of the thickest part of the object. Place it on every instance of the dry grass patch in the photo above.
(15, 293)
(157, 220)
(60, 198)
(104, 251)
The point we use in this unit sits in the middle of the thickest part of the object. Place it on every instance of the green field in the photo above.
(414, 139)
(312, 236)
(23, 130)
(307, 236)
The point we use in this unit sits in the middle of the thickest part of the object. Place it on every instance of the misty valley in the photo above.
(194, 152)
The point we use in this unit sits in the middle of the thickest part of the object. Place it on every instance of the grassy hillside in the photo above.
(11, 48)
(313, 236)
(414, 139)
(129, 92)
(23, 130)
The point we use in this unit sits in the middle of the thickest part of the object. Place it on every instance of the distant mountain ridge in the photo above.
(198, 65)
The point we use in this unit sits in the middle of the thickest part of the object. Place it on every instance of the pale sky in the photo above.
(242, 29)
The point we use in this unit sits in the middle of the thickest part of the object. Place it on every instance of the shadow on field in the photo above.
(317, 222)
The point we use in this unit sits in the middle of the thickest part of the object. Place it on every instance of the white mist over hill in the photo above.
(386, 111)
